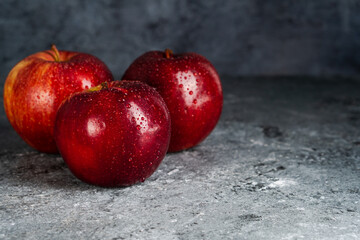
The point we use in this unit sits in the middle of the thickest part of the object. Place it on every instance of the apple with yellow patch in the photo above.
(36, 86)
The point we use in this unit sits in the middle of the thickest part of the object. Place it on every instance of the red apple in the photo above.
(115, 134)
(37, 85)
(191, 89)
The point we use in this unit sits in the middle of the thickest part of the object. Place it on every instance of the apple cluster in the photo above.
(113, 133)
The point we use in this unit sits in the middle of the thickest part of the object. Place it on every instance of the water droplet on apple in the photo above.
(130, 159)
(138, 127)
(142, 118)
(191, 92)
(180, 86)
(128, 106)
(195, 101)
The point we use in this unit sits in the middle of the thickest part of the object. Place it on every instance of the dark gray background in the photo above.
(240, 37)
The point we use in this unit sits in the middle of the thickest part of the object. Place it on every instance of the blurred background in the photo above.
(240, 37)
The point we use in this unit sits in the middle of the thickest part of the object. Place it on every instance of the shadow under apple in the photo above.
(34, 169)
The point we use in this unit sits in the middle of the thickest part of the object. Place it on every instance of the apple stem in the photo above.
(105, 85)
(168, 53)
(56, 54)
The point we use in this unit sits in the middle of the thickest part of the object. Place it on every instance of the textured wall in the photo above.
(241, 37)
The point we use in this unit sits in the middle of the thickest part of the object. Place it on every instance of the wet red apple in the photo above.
(191, 88)
(37, 85)
(115, 134)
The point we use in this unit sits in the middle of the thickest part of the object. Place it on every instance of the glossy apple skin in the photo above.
(191, 89)
(37, 85)
(115, 136)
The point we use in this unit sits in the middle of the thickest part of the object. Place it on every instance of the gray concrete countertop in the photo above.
(283, 163)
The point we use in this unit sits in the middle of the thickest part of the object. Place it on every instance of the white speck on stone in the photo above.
(256, 142)
(270, 157)
(294, 236)
(282, 183)
(173, 171)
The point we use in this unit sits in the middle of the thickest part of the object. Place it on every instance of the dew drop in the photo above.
(128, 106)
(195, 101)
(191, 92)
(138, 127)
(180, 86)
(130, 159)
(142, 118)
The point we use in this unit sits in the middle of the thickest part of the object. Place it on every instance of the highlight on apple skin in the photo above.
(191, 88)
(115, 134)
(37, 85)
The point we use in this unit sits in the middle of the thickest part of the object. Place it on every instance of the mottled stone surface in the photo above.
(283, 163)
(247, 37)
